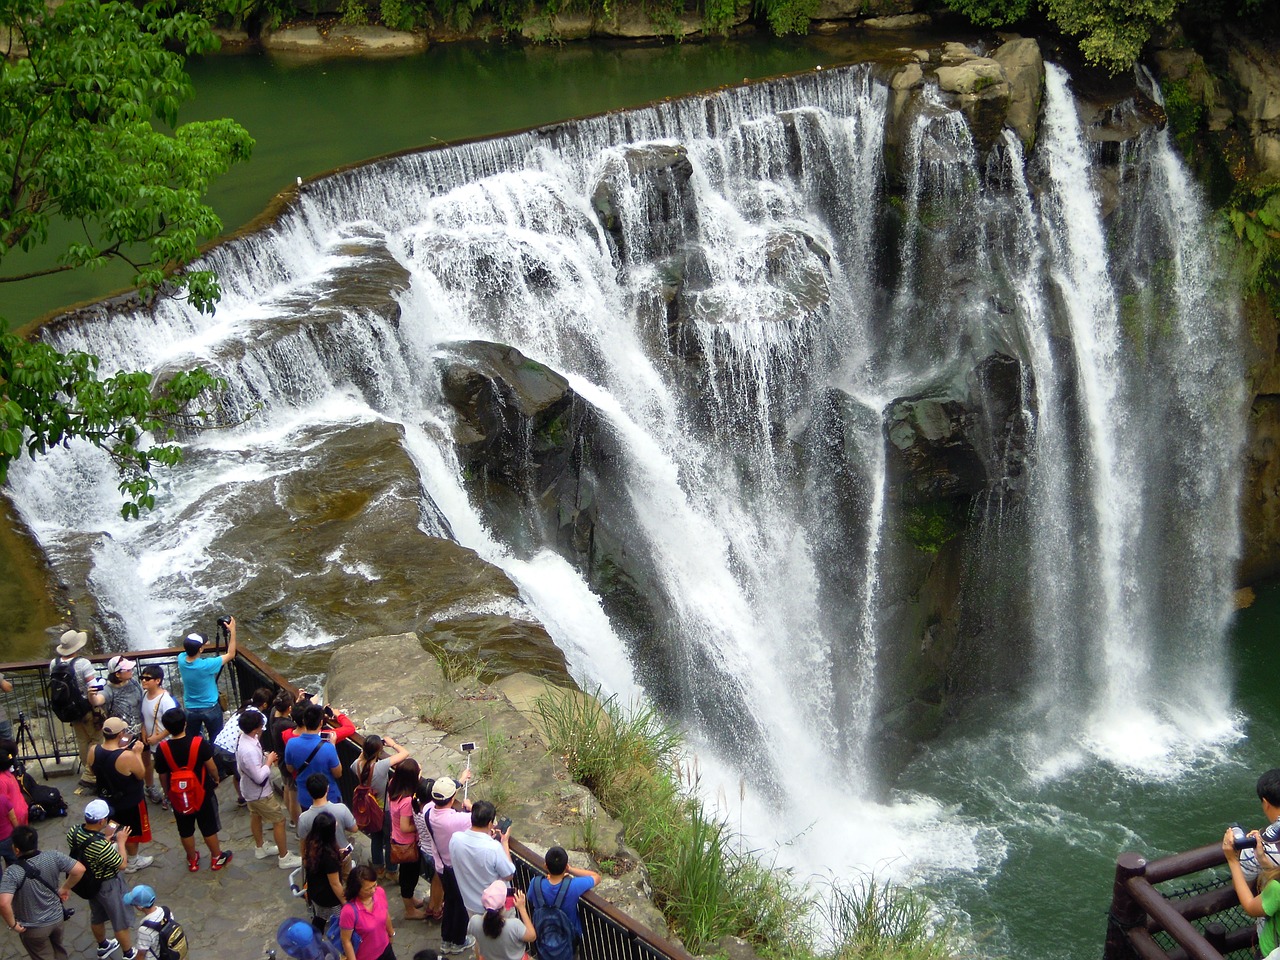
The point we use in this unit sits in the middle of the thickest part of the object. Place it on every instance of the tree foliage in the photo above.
(85, 88)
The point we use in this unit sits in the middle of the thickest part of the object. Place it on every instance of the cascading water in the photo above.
(759, 334)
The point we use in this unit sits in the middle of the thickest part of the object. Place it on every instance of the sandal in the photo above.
(221, 860)
(193, 863)
(434, 916)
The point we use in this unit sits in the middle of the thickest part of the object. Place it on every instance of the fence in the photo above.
(1194, 916)
(608, 934)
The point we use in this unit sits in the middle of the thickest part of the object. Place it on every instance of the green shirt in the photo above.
(101, 857)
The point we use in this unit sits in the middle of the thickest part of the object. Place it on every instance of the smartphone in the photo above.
(110, 829)
(468, 746)
(504, 824)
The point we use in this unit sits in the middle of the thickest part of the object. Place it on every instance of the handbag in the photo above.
(404, 852)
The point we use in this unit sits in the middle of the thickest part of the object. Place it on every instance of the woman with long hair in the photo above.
(427, 849)
(500, 935)
(374, 773)
(322, 867)
(280, 723)
(366, 914)
(401, 791)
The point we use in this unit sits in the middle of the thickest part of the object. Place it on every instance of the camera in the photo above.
(1240, 839)
(504, 824)
(224, 627)
(68, 912)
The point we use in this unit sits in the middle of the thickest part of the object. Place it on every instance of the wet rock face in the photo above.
(954, 445)
(643, 201)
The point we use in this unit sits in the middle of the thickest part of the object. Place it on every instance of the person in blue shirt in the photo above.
(579, 880)
(308, 752)
(200, 682)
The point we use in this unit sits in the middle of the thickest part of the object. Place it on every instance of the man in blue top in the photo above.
(579, 880)
(307, 753)
(200, 682)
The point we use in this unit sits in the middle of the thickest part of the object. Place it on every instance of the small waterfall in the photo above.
(718, 281)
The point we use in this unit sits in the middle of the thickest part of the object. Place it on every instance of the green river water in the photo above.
(1046, 893)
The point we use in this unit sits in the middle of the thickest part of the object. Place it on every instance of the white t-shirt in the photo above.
(153, 708)
(147, 942)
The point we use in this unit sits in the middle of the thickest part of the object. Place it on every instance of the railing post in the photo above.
(1216, 936)
(1124, 913)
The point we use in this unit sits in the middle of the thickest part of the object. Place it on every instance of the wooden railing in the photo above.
(1142, 916)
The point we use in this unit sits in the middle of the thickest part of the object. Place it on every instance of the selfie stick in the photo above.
(466, 783)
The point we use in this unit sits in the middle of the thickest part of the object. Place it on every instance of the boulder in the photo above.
(902, 21)
(1024, 70)
(983, 93)
(973, 75)
(658, 173)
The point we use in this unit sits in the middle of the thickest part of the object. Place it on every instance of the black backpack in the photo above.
(87, 886)
(173, 939)
(67, 700)
(43, 801)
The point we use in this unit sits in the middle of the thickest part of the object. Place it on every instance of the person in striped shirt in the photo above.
(100, 846)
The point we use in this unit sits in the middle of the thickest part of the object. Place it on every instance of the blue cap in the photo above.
(141, 896)
(299, 940)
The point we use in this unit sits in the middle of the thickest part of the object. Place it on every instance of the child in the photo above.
(150, 916)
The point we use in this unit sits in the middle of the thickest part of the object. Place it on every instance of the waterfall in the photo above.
(717, 280)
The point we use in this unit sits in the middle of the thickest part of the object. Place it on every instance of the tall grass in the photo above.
(703, 882)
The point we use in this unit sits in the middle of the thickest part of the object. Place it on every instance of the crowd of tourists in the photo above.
(140, 746)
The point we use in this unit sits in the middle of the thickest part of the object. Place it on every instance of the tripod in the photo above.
(23, 735)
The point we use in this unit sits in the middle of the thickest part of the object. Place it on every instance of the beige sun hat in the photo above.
(72, 641)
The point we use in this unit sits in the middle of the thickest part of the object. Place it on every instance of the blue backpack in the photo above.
(333, 933)
(552, 923)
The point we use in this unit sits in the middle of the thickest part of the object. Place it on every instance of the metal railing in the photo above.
(608, 933)
(1195, 916)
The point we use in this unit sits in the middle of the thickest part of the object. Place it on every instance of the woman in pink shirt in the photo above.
(9, 787)
(366, 914)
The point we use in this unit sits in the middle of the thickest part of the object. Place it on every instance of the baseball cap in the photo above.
(96, 810)
(141, 896)
(113, 726)
(119, 664)
(494, 896)
(443, 789)
(194, 641)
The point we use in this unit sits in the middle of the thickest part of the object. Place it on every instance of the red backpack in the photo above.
(365, 807)
(186, 785)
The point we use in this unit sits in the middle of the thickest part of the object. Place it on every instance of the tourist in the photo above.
(366, 913)
(254, 768)
(151, 921)
(373, 774)
(200, 681)
(69, 678)
(6, 726)
(156, 702)
(401, 793)
(317, 788)
(101, 847)
(9, 786)
(121, 779)
(480, 855)
(1263, 898)
(192, 758)
(122, 695)
(322, 867)
(280, 728)
(8, 823)
(443, 821)
(307, 753)
(226, 743)
(546, 890)
(31, 899)
(422, 805)
(499, 935)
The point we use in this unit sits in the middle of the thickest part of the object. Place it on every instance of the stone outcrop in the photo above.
(391, 685)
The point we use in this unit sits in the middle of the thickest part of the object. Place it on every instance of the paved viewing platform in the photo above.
(229, 914)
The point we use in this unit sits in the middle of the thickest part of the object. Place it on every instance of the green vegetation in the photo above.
(1254, 215)
(931, 526)
(81, 122)
(704, 882)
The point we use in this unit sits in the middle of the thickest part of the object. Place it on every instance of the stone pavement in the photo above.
(231, 914)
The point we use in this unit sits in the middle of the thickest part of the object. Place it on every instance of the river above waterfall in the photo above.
(647, 366)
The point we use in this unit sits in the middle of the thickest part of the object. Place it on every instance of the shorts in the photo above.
(269, 808)
(137, 820)
(108, 906)
(206, 818)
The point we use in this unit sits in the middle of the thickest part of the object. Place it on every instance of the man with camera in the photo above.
(32, 901)
(481, 855)
(200, 680)
(100, 845)
(121, 779)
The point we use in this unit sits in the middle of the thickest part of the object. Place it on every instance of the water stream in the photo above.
(1112, 543)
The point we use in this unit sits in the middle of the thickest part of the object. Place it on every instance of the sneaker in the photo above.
(261, 853)
(155, 794)
(131, 955)
(105, 948)
(139, 863)
(193, 863)
(221, 860)
(289, 861)
(467, 944)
